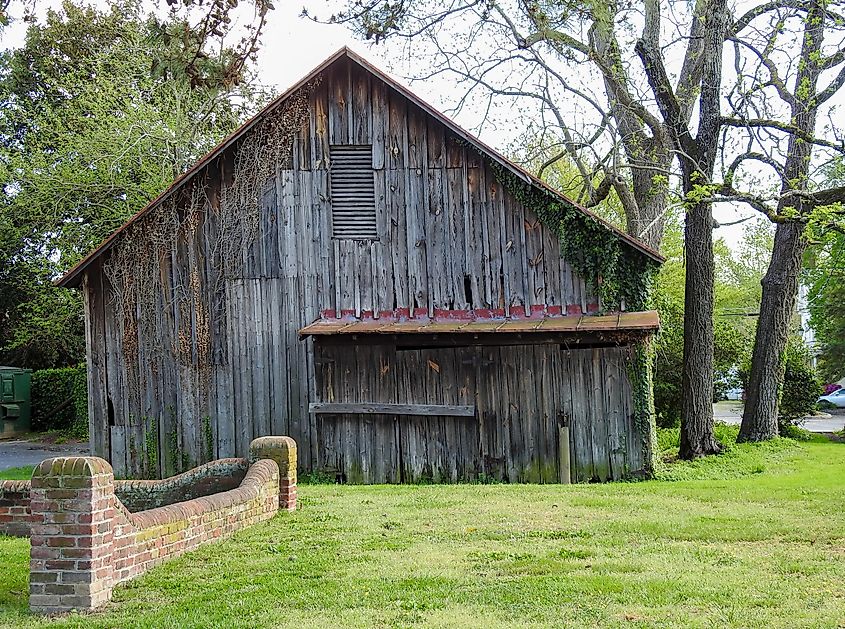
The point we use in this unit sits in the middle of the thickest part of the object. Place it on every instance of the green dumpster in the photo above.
(15, 401)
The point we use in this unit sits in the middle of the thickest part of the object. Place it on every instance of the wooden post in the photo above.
(563, 444)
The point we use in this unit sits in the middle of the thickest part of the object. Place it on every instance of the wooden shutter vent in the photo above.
(352, 192)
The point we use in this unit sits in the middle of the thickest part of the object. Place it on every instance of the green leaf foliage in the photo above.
(94, 124)
(60, 400)
(619, 271)
(827, 305)
(801, 387)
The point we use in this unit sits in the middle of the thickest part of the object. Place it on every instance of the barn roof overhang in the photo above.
(74, 276)
(618, 328)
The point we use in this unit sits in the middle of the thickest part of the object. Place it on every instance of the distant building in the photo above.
(807, 333)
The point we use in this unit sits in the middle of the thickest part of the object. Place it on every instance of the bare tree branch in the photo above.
(666, 101)
(784, 127)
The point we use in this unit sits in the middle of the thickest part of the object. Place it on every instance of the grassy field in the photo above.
(755, 537)
(16, 473)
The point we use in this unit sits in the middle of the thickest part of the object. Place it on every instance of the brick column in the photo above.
(282, 450)
(72, 517)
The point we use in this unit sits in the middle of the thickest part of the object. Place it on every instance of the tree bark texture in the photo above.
(697, 437)
(645, 140)
(648, 220)
(780, 284)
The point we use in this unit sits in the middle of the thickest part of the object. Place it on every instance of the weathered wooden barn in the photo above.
(353, 269)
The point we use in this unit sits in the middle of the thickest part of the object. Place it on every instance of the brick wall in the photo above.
(73, 506)
(85, 541)
(211, 478)
(142, 540)
(14, 508)
(136, 495)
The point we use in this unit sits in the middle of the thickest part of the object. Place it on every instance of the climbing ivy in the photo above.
(640, 369)
(207, 438)
(150, 447)
(620, 273)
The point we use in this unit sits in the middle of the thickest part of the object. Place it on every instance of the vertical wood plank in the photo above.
(397, 131)
(383, 249)
(581, 418)
(513, 253)
(320, 122)
(338, 109)
(473, 277)
(362, 112)
(494, 241)
(325, 298)
(534, 255)
(380, 129)
(416, 198)
(98, 420)
(601, 461)
(456, 236)
(260, 375)
(551, 267)
(398, 243)
(436, 230)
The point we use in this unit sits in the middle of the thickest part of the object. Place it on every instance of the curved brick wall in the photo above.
(135, 495)
(84, 539)
(142, 540)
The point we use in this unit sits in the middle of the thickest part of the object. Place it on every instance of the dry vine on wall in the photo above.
(167, 267)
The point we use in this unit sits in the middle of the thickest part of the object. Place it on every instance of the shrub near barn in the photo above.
(801, 387)
(60, 400)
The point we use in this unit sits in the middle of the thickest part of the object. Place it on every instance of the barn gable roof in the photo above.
(73, 277)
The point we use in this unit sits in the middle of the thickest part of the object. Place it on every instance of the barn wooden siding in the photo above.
(449, 237)
(522, 395)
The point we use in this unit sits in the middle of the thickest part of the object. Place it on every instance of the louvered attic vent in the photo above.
(352, 193)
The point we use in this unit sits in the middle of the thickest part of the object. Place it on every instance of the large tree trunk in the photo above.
(648, 148)
(780, 286)
(697, 437)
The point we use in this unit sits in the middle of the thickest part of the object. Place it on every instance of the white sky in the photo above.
(292, 46)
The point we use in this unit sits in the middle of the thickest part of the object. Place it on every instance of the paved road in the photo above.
(731, 413)
(23, 453)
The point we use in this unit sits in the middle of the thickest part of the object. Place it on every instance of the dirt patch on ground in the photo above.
(54, 437)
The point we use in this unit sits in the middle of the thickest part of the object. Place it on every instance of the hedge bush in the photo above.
(801, 386)
(60, 400)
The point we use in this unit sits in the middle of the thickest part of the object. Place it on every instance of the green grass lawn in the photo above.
(16, 473)
(756, 538)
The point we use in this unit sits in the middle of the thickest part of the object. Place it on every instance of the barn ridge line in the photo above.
(73, 276)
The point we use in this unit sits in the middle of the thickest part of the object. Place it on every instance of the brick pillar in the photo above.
(282, 450)
(72, 516)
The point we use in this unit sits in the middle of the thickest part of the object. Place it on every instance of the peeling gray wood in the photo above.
(378, 408)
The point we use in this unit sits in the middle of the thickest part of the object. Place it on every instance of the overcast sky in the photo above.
(292, 46)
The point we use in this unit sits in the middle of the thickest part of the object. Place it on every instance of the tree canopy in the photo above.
(94, 124)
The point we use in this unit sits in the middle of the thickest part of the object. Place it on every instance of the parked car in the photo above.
(835, 399)
(734, 394)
